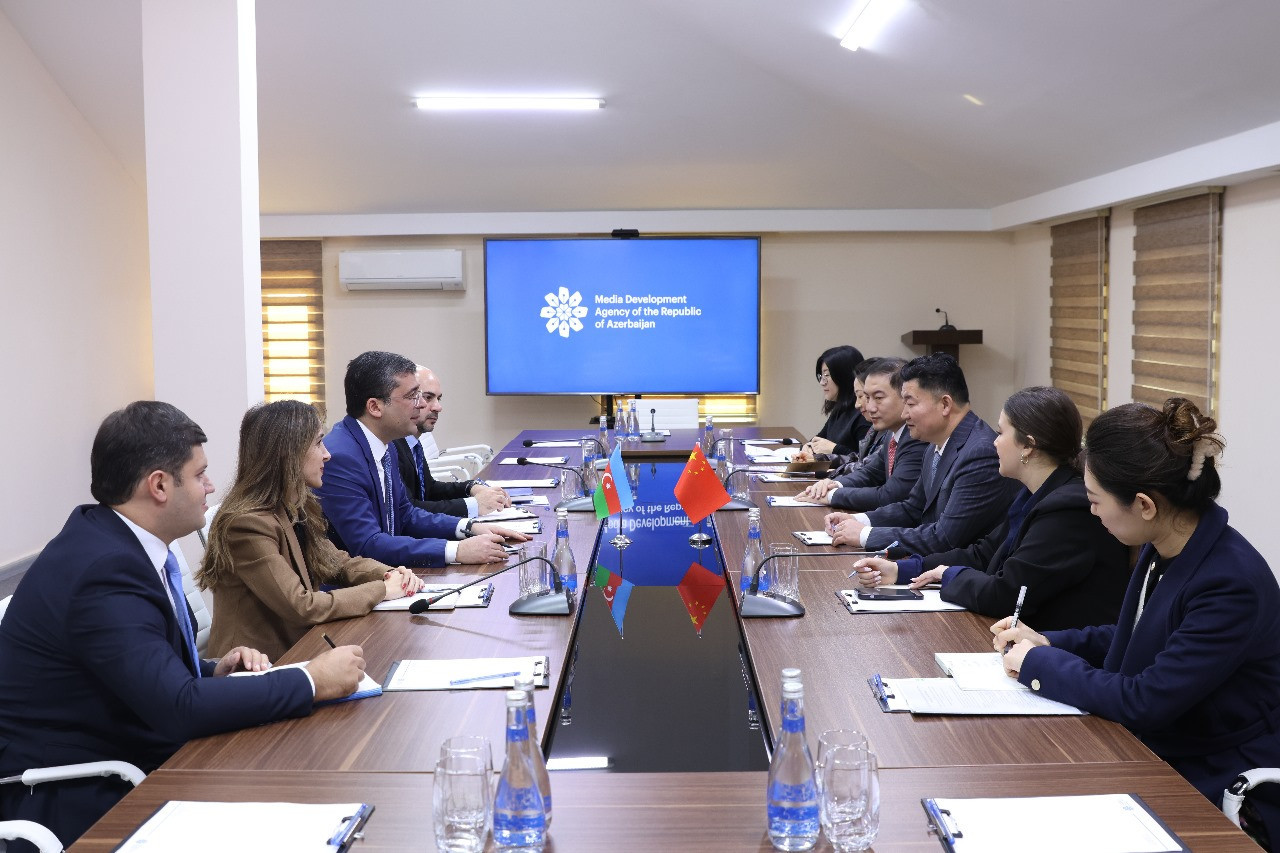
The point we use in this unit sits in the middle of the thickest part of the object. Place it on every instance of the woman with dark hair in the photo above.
(845, 425)
(268, 555)
(1075, 571)
(1192, 667)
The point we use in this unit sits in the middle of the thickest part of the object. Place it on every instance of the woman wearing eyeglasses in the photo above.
(269, 561)
(845, 425)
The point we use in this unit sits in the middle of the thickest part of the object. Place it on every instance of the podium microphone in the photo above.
(581, 504)
(652, 435)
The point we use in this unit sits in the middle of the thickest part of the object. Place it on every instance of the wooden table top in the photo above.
(710, 812)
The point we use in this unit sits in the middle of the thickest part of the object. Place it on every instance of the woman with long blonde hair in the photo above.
(271, 566)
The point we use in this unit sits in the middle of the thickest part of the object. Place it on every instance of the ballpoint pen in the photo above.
(1017, 611)
(455, 682)
(883, 554)
(332, 645)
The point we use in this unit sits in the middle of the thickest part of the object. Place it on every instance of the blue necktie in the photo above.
(174, 574)
(389, 516)
(420, 460)
(933, 466)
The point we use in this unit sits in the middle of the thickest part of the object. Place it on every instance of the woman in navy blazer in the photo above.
(1192, 667)
(1075, 571)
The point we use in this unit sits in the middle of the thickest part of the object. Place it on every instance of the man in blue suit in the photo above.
(363, 496)
(97, 658)
(960, 494)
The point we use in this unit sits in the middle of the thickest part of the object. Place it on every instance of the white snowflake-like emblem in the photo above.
(564, 312)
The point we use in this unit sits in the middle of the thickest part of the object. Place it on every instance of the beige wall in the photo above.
(75, 335)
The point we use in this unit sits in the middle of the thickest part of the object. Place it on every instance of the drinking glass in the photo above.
(785, 570)
(850, 798)
(462, 801)
(633, 479)
(535, 575)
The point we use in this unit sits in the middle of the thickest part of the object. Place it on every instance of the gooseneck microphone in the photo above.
(579, 504)
(423, 604)
(525, 460)
(529, 442)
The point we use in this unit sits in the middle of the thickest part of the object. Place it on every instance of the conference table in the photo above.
(381, 750)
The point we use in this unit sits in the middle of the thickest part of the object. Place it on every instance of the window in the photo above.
(1177, 268)
(292, 321)
(1078, 312)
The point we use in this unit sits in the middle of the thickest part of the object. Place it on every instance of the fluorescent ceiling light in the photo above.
(505, 102)
(585, 762)
(867, 20)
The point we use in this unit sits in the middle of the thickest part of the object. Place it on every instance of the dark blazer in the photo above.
(845, 429)
(447, 498)
(1074, 570)
(1198, 678)
(352, 501)
(842, 466)
(869, 486)
(91, 646)
(953, 507)
(270, 601)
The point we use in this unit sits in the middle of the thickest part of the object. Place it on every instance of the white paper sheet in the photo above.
(789, 500)
(535, 460)
(944, 696)
(977, 671)
(932, 601)
(464, 673)
(195, 827)
(546, 483)
(472, 596)
(1098, 823)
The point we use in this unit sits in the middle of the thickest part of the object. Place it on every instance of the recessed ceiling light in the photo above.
(506, 102)
(866, 21)
(975, 101)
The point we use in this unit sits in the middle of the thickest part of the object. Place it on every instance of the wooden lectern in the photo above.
(943, 340)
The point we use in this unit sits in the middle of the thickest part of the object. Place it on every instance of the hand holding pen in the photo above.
(878, 569)
(1017, 613)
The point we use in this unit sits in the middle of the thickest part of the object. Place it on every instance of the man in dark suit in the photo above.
(97, 658)
(468, 498)
(960, 494)
(363, 496)
(889, 473)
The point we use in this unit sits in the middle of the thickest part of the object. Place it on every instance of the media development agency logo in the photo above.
(563, 312)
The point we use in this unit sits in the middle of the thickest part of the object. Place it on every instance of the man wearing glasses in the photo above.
(363, 496)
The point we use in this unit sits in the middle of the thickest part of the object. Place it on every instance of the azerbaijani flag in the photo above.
(613, 495)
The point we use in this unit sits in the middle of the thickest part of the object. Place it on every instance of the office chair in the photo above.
(1234, 804)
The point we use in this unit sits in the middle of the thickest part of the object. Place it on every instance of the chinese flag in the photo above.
(698, 489)
(699, 590)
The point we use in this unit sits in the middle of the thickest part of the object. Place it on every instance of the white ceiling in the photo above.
(711, 104)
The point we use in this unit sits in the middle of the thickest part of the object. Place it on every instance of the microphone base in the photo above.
(542, 604)
(583, 504)
(651, 437)
(739, 503)
(758, 605)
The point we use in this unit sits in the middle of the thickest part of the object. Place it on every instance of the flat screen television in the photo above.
(649, 315)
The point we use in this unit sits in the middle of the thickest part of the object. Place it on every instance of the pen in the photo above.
(883, 553)
(457, 681)
(329, 641)
(1017, 611)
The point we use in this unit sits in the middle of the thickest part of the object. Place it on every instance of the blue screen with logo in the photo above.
(611, 316)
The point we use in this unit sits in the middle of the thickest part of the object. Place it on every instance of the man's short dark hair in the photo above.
(938, 374)
(890, 366)
(132, 442)
(864, 368)
(373, 375)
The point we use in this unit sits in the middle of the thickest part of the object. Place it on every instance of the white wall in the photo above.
(75, 335)
(1030, 270)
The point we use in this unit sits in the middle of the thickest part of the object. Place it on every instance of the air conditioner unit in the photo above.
(410, 269)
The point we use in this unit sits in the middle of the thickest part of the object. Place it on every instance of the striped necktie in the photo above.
(420, 462)
(174, 576)
(389, 507)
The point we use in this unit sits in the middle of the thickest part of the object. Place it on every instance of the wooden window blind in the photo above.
(1078, 312)
(1177, 267)
(725, 408)
(292, 321)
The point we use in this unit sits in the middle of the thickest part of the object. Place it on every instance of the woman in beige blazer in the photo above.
(268, 554)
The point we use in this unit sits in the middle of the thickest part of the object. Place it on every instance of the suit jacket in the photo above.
(845, 429)
(1074, 570)
(952, 507)
(869, 486)
(91, 645)
(271, 600)
(447, 498)
(1198, 677)
(842, 466)
(352, 500)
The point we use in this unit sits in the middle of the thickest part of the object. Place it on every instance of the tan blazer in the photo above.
(270, 600)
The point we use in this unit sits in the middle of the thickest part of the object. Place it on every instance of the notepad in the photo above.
(465, 673)
(1099, 823)
(562, 442)
(527, 526)
(813, 537)
(509, 513)
(529, 500)
(535, 460)
(783, 477)
(199, 827)
(931, 602)
(545, 483)
(944, 696)
(977, 671)
(790, 500)
(478, 595)
(366, 688)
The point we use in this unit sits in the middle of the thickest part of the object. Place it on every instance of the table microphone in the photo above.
(652, 435)
(525, 460)
(423, 604)
(529, 442)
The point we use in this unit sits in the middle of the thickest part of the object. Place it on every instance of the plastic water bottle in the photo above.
(588, 464)
(753, 556)
(566, 568)
(708, 438)
(603, 434)
(793, 793)
(519, 817)
(536, 760)
(633, 423)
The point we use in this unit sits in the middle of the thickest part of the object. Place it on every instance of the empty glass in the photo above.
(535, 575)
(462, 802)
(785, 568)
(850, 798)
